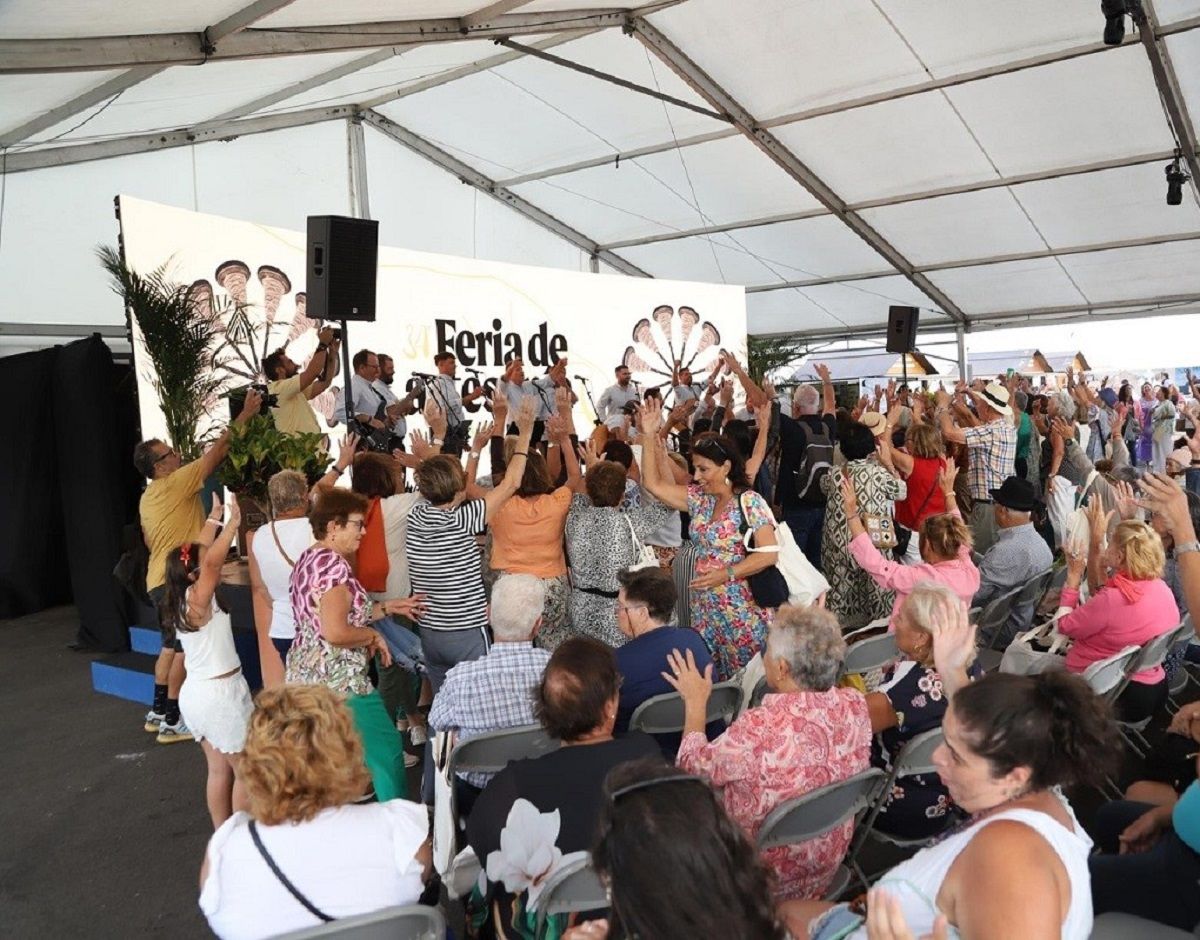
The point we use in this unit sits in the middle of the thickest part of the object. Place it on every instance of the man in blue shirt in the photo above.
(645, 605)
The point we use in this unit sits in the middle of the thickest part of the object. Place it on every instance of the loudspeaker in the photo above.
(343, 259)
(902, 329)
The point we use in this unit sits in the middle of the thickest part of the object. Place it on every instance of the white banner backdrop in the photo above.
(484, 312)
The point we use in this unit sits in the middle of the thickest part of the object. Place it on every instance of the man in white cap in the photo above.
(991, 453)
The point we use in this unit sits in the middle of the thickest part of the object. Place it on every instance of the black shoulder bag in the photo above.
(768, 587)
(283, 879)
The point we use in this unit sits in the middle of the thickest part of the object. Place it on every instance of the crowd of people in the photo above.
(587, 572)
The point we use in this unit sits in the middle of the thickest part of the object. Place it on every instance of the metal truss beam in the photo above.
(1168, 89)
(748, 125)
(906, 91)
(959, 190)
(991, 259)
(486, 14)
(488, 186)
(25, 160)
(134, 76)
(110, 52)
(1161, 306)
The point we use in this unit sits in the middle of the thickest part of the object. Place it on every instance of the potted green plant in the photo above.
(257, 451)
(178, 336)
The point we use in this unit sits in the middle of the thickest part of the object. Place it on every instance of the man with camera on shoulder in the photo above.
(289, 389)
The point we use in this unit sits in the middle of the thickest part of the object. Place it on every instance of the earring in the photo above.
(727, 481)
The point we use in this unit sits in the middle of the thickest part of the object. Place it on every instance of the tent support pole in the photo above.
(960, 336)
(356, 152)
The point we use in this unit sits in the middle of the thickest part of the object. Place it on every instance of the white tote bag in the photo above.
(1023, 658)
(805, 583)
(643, 555)
(445, 839)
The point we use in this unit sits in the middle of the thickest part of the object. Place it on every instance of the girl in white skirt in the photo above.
(215, 699)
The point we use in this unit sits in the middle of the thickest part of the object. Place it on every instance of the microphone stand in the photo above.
(587, 391)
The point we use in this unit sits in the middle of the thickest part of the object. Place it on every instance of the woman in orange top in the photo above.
(527, 534)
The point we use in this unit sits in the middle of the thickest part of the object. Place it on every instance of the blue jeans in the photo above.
(1192, 480)
(807, 524)
(404, 645)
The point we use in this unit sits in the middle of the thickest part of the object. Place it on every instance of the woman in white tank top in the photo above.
(1018, 866)
(215, 699)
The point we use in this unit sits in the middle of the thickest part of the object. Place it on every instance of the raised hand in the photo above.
(217, 513)
(849, 497)
(252, 405)
(526, 416)
(1126, 500)
(235, 514)
(346, 451)
(589, 454)
(483, 434)
(953, 637)
(947, 475)
(686, 679)
(435, 417)
(1161, 494)
(1098, 521)
(822, 371)
(726, 395)
(650, 417)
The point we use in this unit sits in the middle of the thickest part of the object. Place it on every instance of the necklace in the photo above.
(974, 818)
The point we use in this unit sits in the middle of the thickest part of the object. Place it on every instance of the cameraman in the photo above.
(293, 389)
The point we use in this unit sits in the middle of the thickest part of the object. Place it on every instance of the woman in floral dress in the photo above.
(733, 626)
(853, 594)
(911, 701)
(334, 638)
(1145, 416)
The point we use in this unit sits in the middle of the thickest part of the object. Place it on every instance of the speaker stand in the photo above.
(346, 374)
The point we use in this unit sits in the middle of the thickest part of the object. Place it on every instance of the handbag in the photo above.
(768, 587)
(643, 555)
(445, 839)
(881, 530)
(1040, 649)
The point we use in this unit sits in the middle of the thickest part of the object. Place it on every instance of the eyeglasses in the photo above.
(357, 523)
(628, 607)
(169, 452)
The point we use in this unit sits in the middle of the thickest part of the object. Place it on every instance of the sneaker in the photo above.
(417, 735)
(169, 734)
(154, 720)
(410, 761)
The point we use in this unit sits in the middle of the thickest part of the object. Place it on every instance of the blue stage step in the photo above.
(145, 640)
(125, 675)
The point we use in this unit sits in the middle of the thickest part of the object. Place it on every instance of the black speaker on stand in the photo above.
(902, 334)
(343, 264)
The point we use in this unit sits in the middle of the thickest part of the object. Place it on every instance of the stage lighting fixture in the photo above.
(1175, 180)
(1115, 12)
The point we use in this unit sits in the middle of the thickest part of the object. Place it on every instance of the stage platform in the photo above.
(130, 675)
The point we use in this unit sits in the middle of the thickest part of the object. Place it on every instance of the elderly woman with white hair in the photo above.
(912, 700)
(807, 733)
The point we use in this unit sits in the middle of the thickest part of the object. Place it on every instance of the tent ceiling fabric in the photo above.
(995, 156)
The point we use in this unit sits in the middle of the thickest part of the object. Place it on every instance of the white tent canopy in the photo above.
(988, 162)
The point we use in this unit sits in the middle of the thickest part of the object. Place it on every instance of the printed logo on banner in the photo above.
(669, 336)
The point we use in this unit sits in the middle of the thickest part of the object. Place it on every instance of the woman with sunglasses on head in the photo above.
(722, 508)
(656, 819)
(214, 699)
(334, 638)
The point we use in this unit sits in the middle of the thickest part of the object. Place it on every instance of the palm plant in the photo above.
(765, 354)
(178, 336)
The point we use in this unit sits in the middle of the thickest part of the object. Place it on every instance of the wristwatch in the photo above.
(1182, 548)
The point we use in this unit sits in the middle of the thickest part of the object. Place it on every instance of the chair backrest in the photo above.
(491, 752)
(990, 625)
(916, 757)
(1106, 676)
(1035, 587)
(874, 652)
(412, 922)
(761, 688)
(574, 887)
(1154, 652)
(662, 714)
(808, 816)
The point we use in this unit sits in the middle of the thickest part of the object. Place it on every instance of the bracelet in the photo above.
(474, 455)
(521, 453)
(730, 576)
(1182, 548)
(212, 521)
(438, 441)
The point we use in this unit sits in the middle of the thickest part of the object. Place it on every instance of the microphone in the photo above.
(469, 369)
(579, 378)
(422, 375)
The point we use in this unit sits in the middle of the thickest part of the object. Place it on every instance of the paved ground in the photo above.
(101, 829)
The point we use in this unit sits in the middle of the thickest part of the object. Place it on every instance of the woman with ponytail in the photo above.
(1018, 865)
(214, 699)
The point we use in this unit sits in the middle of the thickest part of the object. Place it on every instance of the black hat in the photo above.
(1018, 494)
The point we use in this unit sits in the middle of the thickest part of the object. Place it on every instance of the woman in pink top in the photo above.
(1133, 607)
(945, 549)
(807, 734)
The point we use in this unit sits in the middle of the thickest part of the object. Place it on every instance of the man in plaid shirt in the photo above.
(497, 690)
(991, 440)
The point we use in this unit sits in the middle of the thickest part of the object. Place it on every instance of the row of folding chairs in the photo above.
(411, 922)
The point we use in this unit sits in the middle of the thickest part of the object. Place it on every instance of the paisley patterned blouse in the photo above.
(791, 744)
(312, 660)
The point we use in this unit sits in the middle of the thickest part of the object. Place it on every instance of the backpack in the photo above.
(815, 461)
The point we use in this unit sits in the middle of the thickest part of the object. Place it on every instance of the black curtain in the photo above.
(67, 488)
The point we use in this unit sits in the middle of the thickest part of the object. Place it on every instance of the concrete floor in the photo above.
(102, 830)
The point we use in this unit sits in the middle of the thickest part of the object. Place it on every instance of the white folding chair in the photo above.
(814, 813)
(411, 922)
(916, 757)
(663, 714)
(1117, 925)
(873, 652)
(992, 620)
(1107, 676)
(1151, 654)
(574, 887)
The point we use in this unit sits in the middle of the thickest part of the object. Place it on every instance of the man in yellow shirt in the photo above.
(296, 388)
(172, 515)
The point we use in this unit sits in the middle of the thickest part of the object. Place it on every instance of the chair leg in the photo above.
(859, 874)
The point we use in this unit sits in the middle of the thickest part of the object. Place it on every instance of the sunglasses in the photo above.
(169, 452)
(656, 782)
